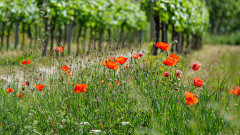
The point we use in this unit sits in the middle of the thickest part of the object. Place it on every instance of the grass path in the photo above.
(217, 61)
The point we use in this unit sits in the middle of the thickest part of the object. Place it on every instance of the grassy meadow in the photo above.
(137, 100)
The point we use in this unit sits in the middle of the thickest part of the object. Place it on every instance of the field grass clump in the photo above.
(137, 100)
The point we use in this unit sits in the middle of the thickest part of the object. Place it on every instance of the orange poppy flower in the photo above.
(80, 88)
(175, 57)
(196, 66)
(68, 73)
(104, 63)
(65, 68)
(170, 62)
(121, 60)
(24, 62)
(59, 49)
(125, 67)
(198, 82)
(235, 90)
(112, 65)
(163, 46)
(102, 82)
(19, 95)
(28, 61)
(190, 98)
(10, 90)
(135, 55)
(25, 83)
(39, 87)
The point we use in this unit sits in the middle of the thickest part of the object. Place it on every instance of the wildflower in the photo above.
(65, 68)
(24, 62)
(80, 88)
(37, 79)
(165, 74)
(175, 57)
(169, 62)
(59, 49)
(28, 61)
(102, 82)
(196, 66)
(112, 59)
(68, 73)
(140, 55)
(25, 83)
(39, 87)
(198, 82)
(10, 90)
(19, 95)
(125, 67)
(112, 65)
(121, 60)
(178, 74)
(104, 63)
(116, 82)
(190, 98)
(163, 46)
(135, 55)
(235, 90)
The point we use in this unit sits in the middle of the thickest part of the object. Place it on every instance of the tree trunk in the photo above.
(59, 35)
(187, 44)
(46, 36)
(53, 25)
(2, 35)
(182, 42)
(164, 32)
(16, 34)
(122, 36)
(200, 42)
(30, 35)
(90, 41)
(36, 35)
(8, 36)
(69, 37)
(173, 38)
(84, 40)
(65, 37)
(100, 40)
(179, 45)
(157, 28)
(134, 36)
(23, 36)
(109, 35)
(141, 37)
(78, 37)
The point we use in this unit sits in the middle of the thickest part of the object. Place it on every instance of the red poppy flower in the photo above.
(59, 49)
(175, 57)
(68, 73)
(10, 90)
(65, 68)
(190, 98)
(24, 62)
(104, 63)
(165, 74)
(198, 82)
(80, 88)
(163, 46)
(112, 65)
(37, 79)
(140, 55)
(39, 87)
(25, 83)
(19, 95)
(28, 61)
(235, 90)
(178, 74)
(135, 55)
(170, 62)
(196, 66)
(121, 60)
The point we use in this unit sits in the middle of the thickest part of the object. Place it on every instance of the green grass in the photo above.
(151, 103)
(227, 39)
